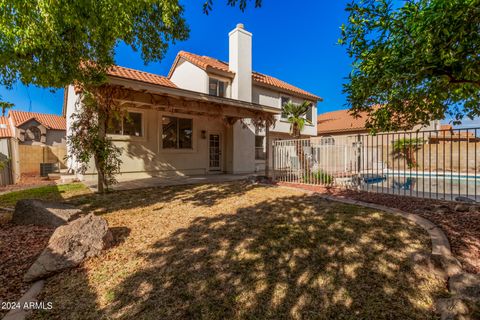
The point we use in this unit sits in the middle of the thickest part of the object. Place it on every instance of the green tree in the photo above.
(208, 4)
(5, 106)
(416, 62)
(295, 114)
(95, 110)
(405, 148)
(56, 43)
(53, 44)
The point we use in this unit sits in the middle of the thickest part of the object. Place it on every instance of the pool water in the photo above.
(437, 187)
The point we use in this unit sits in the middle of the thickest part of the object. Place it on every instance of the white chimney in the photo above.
(240, 62)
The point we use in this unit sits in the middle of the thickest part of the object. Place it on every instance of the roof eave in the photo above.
(312, 97)
(188, 94)
(216, 71)
(349, 130)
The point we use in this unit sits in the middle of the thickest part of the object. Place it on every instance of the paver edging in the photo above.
(29, 296)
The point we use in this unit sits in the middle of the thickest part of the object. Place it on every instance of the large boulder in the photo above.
(466, 284)
(42, 213)
(70, 245)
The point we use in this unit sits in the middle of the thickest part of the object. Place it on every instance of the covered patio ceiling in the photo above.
(169, 99)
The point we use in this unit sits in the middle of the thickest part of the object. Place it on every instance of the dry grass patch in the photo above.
(236, 250)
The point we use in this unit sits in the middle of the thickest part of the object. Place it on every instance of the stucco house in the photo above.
(341, 128)
(199, 119)
(33, 128)
(39, 142)
(8, 153)
(29, 139)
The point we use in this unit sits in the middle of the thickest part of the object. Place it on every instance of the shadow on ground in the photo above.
(201, 195)
(461, 227)
(296, 257)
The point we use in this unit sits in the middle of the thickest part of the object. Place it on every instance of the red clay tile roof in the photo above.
(339, 121)
(204, 63)
(446, 127)
(5, 131)
(138, 75)
(51, 121)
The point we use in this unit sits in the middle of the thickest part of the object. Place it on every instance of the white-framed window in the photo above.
(259, 147)
(217, 87)
(131, 125)
(177, 133)
(309, 114)
(283, 101)
(327, 141)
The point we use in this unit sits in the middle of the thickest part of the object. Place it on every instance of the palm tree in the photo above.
(295, 114)
(5, 105)
(406, 148)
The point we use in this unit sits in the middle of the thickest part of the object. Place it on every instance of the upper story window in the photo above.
(216, 87)
(309, 114)
(177, 133)
(33, 134)
(283, 101)
(131, 125)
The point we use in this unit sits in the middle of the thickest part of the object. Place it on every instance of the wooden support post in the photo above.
(267, 149)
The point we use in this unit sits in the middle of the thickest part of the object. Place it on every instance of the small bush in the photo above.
(318, 177)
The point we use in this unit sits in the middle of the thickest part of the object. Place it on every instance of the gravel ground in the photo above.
(461, 227)
(244, 251)
(27, 182)
(19, 247)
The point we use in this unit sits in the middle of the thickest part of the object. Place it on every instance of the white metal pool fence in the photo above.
(440, 164)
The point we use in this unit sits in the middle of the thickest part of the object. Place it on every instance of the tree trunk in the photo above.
(99, 162)
(100, 179)
(267, 151)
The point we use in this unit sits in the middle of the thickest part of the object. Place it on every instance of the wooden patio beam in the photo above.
(174, 104)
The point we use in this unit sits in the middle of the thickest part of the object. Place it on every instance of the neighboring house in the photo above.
(199, 119)
(34, 139)
(38, 128)
(341, 128)
(448, 135)
(8, 153)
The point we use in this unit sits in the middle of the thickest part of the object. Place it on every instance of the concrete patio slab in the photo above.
(169, 181)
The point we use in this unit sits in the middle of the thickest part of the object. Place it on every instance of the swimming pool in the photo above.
(448, 185)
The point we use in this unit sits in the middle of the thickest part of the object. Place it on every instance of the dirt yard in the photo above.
(20, 245)
(239, 250)
(462, 227)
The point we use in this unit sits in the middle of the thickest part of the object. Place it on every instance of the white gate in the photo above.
(309, 161)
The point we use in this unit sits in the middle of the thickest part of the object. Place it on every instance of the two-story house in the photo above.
(198, 119)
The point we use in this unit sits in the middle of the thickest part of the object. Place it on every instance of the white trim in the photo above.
(227, 85)
(220, 143)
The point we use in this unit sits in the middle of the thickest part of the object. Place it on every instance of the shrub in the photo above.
(318, 177)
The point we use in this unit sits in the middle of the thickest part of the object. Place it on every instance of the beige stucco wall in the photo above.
(272, 98)
(31, 156)
(190, 77)
(145, 157)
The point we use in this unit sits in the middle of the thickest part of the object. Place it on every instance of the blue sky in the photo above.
(295, 41)
(289, 42)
